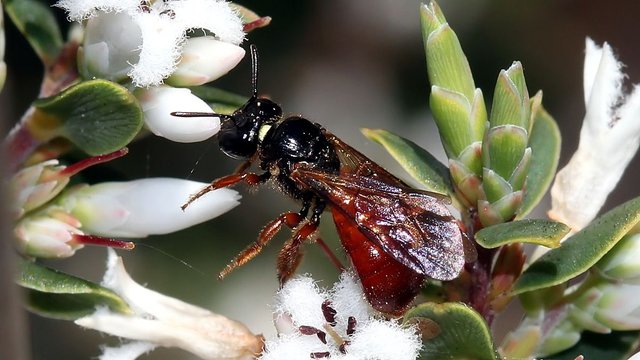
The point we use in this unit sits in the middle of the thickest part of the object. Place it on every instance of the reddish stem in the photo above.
(102, 241)
(94, 160)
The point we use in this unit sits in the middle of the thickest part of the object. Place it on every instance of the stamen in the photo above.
(318, 355)
(329, 313)
(351, 325)
(310, 330)
(343, 347)
(102, 241)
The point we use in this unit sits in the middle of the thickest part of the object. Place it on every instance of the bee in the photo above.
(395, 236)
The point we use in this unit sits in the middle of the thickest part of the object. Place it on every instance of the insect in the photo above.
(395, 236)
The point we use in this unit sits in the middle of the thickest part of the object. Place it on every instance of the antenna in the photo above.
(201, 114)
(254, 69)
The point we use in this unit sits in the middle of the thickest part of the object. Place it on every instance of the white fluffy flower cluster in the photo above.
(335, 324)
(153, 44)
(145, 40)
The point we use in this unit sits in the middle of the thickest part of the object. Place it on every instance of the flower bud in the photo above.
(139, 208)
(35, 185)
(111, 44)
(47, 237)
(205, 59)
(621, 262)
(159, 102)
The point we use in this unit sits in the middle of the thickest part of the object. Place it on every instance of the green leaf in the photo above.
(452, 331)
(618, 345)
(37, 23)
(98, 116)
(503, 149)
(544, 142)
(447, 65)
(223, 102)
(418, 162)
(582, 250)
(62, 296)
(535, 231)
(451, 112)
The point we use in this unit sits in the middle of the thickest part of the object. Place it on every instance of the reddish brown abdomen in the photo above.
(388, 285)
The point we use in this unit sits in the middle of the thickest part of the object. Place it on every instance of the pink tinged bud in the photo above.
(159, 102)
(145, 207)
(205, 59)
(111, 44)
(47, 237)
(35, 185)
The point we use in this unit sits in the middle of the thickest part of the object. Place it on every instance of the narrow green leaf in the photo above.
(62, 296)
(451, 111)
(36, 22)
(98, 116)
(447, 66)
(581, 251)
(418, 162)
(544, 142)
(535, 231)
(222, 101)
(455, 331)
(618, 345)
(504, 148)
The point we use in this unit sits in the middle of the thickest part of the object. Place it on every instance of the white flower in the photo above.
(160, 320)
(609, 139)
(203, 60)
(146, 39)
(338, 324)
(159, 102)
(144, 207)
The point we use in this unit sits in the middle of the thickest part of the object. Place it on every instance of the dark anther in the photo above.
(351, 325)
(343, 347)
(310, 330)
(144, 6)
(170, 13)
(329, 313)
(318, 355)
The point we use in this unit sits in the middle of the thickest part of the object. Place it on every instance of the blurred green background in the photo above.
(347, 65)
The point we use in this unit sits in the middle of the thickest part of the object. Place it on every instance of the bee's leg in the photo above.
(290, 255)
(289, 219)
(250, 178)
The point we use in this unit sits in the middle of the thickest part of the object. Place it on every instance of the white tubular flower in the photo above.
(203, 60)
(609, 139)
(338, 324)
(157, 104)
(148, 35)
(160, 320)
(139, 208)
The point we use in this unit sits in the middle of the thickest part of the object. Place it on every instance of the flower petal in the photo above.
(159, 102)
(609, 139)
(145, 207)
